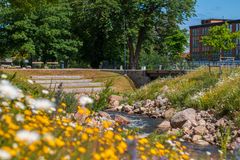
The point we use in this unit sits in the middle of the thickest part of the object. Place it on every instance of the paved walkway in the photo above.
(69, 84)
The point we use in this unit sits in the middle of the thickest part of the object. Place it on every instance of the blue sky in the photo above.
(228, 9)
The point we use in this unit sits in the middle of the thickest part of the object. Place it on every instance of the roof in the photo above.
(214, 24)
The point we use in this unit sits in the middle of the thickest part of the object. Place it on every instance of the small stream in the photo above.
(148, 125)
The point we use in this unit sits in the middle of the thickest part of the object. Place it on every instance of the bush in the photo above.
(101, 101)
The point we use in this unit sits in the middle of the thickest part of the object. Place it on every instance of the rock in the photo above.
(161, 101)
(209, 138)
(127, 108)
(137, 105)
(111, 110)
(104, 115)
(202, 143)
(221, 122)
(180, 118)
(202, 122)
(149, 103)
(196, 138)
(187, 124)
(200, 130)
(119, 108)
(114, 100)
(187, 131)
(169, 113)
(164, 126)
(211, 128)
(187, 137)
(121, 120)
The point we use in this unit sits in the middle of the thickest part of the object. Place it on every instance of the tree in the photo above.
(98, 25)
(54, 38)
(220, 38)
(105, 24)
(39, 30)
(144, 16)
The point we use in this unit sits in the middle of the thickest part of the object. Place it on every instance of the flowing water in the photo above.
(148, 125)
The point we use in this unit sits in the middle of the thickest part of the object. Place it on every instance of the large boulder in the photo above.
(180, 118)
(164, 126)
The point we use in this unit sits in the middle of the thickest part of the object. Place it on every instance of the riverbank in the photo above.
(200, 107)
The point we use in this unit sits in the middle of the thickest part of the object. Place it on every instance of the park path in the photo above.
(70, 83)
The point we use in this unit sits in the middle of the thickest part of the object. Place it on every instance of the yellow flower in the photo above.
(153, 151)
(59, 142)
(143, 141)
(143, 157)
(159, 145)
(84, 137)
(27, 112)
(185, 157)
(45, 149)
(96, 156)
(122, 147)
(81, 149)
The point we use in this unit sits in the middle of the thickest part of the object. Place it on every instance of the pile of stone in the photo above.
(199, 127)
(151, 108)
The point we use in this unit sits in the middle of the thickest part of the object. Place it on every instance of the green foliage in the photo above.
(225, 139)
(39, 30)
(102, 101)
(51, 30)
(71, 102)
(221, 38)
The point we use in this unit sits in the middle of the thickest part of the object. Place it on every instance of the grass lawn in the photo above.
(121, 84)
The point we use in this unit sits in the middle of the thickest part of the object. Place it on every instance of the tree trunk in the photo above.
(134, 54)
(131, 53)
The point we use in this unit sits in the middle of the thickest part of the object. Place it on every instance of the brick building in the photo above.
(198, 52)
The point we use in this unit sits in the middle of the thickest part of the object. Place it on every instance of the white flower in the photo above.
(84, 100)
(42, 104)
(45, 92)
(4, 155)
(30, 81)
(20, 118)
(4, 76)
(27, 136)
(20, 105)
(4, 103)
(171, 143)
(9, 91)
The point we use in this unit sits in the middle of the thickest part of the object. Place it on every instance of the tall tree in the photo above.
(142, 16)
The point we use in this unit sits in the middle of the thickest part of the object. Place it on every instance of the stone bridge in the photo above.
(141, 77)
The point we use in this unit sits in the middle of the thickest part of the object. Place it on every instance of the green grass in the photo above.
(198, 89)
(120, 83)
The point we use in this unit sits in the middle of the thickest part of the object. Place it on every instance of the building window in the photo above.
(230, 27)
(237, 53)
(237, 27)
